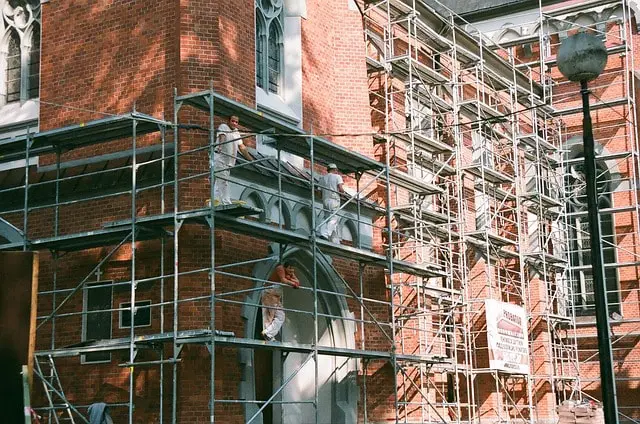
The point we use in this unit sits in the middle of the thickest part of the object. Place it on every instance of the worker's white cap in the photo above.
(332, 166)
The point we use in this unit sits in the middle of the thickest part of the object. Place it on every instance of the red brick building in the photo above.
(463, 215)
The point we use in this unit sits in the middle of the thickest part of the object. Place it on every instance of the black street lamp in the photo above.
(581, 58)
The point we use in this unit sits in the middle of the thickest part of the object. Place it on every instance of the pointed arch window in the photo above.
(269, 45)
(20, 51)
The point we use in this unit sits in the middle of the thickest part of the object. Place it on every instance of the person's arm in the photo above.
(245, 152)
(282, 277)
(294, 279)
(340, 185)
(319, 184)
(222, 137)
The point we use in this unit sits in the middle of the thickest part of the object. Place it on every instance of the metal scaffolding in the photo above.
(473, 196)
(554, 194)
(165, 193)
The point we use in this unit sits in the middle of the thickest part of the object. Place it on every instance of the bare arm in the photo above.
(294, 278)
(221, 139)
(282, 277)
(245, 152)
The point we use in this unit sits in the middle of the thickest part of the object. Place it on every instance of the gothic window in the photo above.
(580, 254)
(269, 45)
(19, 51)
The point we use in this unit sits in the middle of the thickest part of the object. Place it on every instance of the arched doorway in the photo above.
(265, 370)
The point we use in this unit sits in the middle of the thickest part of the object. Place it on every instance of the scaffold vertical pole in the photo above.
(212, 247)
(314, 276)
(176, 231)
(25, 221)
(134, 172)
(394, 360)
(163, 242)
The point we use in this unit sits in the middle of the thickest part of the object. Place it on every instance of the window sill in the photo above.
(12, 114)
(590, 320)
(585, 321)
(275, 105)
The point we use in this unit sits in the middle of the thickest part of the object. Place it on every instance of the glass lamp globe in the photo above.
(582, 57)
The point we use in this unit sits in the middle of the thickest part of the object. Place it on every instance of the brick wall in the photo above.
(139, 53)
(109, 56)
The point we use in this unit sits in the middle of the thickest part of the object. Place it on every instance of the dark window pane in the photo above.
(34, 64)
(98, 324)
(12, 82)
(260, 51)
(142, 314)
(275, 60)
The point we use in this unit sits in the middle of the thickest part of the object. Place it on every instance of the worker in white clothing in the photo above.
(271, 299)
(331, 186)
(228, 143)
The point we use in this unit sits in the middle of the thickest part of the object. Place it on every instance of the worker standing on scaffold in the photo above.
(272, 312)
(331, 186)
(228, 143)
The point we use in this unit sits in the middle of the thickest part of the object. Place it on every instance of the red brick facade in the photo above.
(109, 57)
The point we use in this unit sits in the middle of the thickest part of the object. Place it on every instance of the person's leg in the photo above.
(332, 224)
(217, 181)
(324, 230)
(221, 190)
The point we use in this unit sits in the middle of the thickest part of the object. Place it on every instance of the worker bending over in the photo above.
(272, 312)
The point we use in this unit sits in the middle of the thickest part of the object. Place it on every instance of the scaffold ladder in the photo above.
(46, 371)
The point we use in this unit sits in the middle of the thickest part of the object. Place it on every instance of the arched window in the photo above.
(265, 370)
(580, 239)
(19, 51)
(13, 68)
(269, 45)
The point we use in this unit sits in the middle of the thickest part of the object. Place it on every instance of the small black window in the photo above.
(142, 314)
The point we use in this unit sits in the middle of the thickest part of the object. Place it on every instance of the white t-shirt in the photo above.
(329, 184)
(227, 151)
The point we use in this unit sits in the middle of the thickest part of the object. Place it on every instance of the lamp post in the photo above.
(581, 58)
